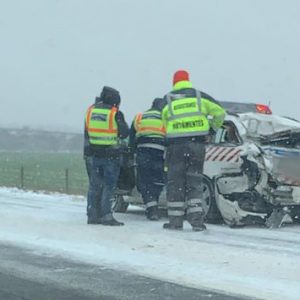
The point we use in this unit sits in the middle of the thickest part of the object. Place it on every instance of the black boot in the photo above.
(93, 221)
(152, 213)
(175, 223)
(201, 227)
(197, 221)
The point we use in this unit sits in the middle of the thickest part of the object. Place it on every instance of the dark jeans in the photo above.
(88, 165)
(126, 181)
(185, 168)
(150, 174)
(103, 178)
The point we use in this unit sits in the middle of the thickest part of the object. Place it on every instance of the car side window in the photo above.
(227, 134)
(219, 136)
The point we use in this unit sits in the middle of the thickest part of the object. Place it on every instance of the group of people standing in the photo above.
(168, 141)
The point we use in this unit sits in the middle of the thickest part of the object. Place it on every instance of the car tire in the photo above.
(119, 205)
(296, 214)
(212, 213)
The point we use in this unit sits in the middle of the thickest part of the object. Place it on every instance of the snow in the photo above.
(255, 262)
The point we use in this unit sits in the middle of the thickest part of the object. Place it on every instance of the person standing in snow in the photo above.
(87, 152)
(105, 126)
(187, 128)
(147, 139)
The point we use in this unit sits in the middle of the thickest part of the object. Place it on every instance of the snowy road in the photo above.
(255, 262)
(25, 275)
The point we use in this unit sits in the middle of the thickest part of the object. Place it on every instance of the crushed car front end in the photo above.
(266, 189)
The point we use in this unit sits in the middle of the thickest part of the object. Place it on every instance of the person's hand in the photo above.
(212, 132)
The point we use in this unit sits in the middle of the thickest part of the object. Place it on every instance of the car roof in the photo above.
(238, 107)
(244, 107)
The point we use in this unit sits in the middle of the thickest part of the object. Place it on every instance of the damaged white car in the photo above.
(257, 158)
(251, 172)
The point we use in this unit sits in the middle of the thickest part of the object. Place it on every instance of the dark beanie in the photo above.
(110, 96)
(98, 100)
(159, 103)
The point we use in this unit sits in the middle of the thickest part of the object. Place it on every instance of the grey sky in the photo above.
(56, 55)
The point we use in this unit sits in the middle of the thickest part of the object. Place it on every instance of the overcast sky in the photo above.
(56, 55)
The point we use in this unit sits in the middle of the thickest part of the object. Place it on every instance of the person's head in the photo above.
(159, 104)
(180, 75)
(97, 100)
(110, 96)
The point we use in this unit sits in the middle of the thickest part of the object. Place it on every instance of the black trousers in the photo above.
(184, 186)
(150, 174)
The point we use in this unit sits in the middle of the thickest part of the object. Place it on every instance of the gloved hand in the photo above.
(210, 137)
(212, 132)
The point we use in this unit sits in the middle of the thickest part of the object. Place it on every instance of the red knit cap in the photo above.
(180, 75)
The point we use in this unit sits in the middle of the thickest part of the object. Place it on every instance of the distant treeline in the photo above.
(31, 140)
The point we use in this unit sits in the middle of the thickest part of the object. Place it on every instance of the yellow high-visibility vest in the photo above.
(149, 124)
(101, 126)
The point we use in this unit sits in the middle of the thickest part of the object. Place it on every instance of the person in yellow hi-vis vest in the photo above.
(147, 140)
(105, 126)
(187, 128)
(87, 152)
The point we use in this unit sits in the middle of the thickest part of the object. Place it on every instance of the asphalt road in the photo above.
(25, 275)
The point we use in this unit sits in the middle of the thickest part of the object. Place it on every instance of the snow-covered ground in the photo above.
(256, 262)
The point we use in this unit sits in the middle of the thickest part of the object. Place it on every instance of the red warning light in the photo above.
(263, 109)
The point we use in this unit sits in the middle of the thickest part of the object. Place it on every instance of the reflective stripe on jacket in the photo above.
(186, 115)
(101, 126)
(149, 124)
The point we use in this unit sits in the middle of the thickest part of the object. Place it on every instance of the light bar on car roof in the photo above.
(263, 109)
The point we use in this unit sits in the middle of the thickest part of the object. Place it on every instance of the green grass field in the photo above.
(44, 171)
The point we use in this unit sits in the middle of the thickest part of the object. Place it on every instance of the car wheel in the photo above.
(209, 205)
(119, 205)
(296, 214)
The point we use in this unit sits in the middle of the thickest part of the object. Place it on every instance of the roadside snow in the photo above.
(255, 262)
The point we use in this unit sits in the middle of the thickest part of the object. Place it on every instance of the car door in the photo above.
(223, 151)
